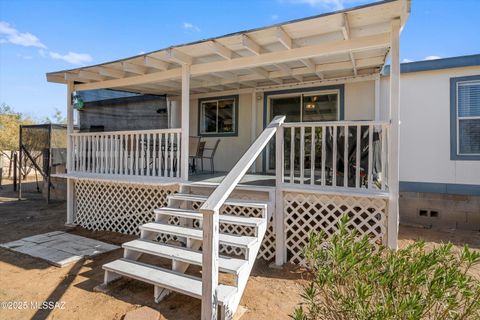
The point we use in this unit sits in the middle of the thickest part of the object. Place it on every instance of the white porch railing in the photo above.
(340, 154)
(151, 153)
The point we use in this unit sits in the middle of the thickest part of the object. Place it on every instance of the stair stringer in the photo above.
(229, 308)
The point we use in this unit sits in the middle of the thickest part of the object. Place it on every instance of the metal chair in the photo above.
(212, 152)
(193, 151)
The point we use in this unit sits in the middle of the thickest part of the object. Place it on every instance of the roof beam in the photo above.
(155, 63)
(133, 68)
(109, 72)
(347, 36)
(265, 74)
(346, 27)
(225, 75)
(283, 38)
(74, 77)
(90, 75)
(178, 56)
(250, 45)
(220, 49)
(311, 66)
(289, 71)
(251, 78)
(355, 72)
(318, 50)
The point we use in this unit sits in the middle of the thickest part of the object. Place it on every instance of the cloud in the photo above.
(328, 4)
(72, 57)
(274, 17)
(8, 34)
(26, 57)
(432, 58)
(406, 60)
(189, 26)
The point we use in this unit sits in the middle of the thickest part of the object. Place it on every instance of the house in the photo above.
(304, 139)
(439, 142)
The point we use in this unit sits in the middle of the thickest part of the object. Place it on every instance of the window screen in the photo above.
(468, 117)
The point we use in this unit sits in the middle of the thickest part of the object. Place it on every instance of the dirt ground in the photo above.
(270, 293)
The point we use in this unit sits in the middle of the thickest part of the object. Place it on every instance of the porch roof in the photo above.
(341, 44)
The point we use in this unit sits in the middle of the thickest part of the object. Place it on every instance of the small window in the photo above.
(218, 116)
(466, 129)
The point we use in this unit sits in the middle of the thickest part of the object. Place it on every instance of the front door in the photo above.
(302, 107)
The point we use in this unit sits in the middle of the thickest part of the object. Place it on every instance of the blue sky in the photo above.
(42, 36)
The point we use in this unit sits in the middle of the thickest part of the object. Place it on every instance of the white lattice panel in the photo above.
(267, 250)
(305, 212)
(118, 207)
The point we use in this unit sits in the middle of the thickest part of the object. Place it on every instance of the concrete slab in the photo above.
(59, 248)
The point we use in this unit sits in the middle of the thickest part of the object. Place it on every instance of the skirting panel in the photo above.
(267, 250)
(305, 212)
(118, 207)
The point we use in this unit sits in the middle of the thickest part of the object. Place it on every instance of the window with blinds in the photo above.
(468, 118)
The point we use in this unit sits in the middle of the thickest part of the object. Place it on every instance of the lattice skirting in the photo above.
(305, 212)
(121, 207)
(267, 250)
(118, 207)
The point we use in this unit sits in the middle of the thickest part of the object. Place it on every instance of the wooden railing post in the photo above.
(70, 183)
(394, 136)
(278, 215)
(210, 263)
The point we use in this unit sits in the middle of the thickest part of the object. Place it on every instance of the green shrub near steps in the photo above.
(354, 279)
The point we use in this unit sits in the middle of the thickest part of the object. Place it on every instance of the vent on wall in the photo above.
(428, 213)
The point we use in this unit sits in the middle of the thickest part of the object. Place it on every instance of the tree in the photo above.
(9, 127)
(58, 118)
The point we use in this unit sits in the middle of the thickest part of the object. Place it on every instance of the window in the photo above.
(465, 118)
(218, 116)
(320, 106)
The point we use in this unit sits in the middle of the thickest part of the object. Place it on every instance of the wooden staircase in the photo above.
(218, 299)
(187, 251)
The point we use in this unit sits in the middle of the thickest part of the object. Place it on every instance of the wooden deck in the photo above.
(248, 179)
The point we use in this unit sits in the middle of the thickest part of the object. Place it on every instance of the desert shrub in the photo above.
(354, 279)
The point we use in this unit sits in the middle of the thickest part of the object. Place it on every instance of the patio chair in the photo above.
(210, 156)
(193, 151)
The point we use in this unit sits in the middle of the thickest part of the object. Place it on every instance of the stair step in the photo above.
(225, 218)
(232, 202)
(168, 279)
(197, 234)
(226, 264)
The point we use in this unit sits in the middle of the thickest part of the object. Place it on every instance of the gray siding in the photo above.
(133, 113)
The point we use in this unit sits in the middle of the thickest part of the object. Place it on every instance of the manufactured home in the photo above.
(271, 133)
(439, 142)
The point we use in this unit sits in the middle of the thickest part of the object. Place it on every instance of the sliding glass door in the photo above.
(302, 107)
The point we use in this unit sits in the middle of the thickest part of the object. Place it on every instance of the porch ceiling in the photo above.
(341, 44)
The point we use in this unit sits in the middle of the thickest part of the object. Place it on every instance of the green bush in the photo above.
(354, 279)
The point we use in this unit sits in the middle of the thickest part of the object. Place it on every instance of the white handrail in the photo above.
(104, 133)
(210, 210)
(335, 123)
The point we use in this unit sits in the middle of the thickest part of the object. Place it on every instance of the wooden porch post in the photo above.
(70, 185)
(185, 120)
(394, 137)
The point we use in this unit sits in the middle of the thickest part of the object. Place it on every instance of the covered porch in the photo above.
(303, 128)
